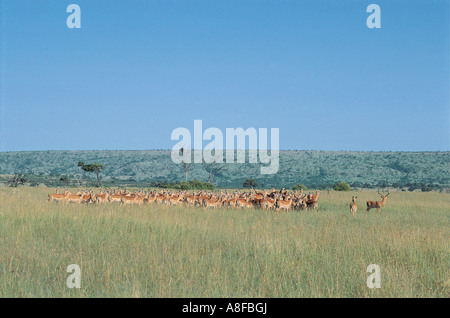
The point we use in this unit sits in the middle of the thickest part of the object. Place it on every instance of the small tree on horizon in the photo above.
(186, 166)
(93, 167)
(212, 168)
(250, 183)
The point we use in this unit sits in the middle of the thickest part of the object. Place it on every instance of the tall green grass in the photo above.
(160, 251)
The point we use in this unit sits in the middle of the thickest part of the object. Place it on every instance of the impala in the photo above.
(58, 197)
(162, 198)
(377, 204)
(152, 198)
(283, 204)
(101, 198)
(353, 206)
(213, 202)
(176, 199)
(313, 197)
(278, 200)
(115, 198)
(312, 205)
(230, 203)
(311, 200)
(77, 198)
(135, 199)
(241, 202)
(267, 203)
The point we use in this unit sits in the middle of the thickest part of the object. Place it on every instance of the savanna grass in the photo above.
(161, 251)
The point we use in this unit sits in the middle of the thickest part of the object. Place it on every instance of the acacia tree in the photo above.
(93, 167)
(250, 183)
(186, 166)
(212, 168)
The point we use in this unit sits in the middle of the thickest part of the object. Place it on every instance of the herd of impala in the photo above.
(275, 200)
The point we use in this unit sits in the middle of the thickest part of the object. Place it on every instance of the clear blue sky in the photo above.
(136, 70)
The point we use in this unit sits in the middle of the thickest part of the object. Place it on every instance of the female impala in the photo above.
(283, 204)
(115, 197)
(377, 204)
(133, 199)
(268, 203)
(152, 197)
(313, 197)
(353, 206)
(76, 198)
(312, 205)
(212, 202)
(58, 197)
(241, 202)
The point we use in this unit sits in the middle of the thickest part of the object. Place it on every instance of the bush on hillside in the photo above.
(250, 183)
(342, 186)
(299, 187)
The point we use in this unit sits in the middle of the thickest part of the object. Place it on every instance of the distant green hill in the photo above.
(312, 168)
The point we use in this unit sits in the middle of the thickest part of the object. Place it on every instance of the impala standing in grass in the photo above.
(353, 206)
(377, 204)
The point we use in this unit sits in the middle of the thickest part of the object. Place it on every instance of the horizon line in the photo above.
(280, 150)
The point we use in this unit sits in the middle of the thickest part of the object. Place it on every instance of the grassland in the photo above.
(160, 251)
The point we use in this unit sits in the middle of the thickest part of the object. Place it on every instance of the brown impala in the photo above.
(353, 206)
(58, 197)
(377, 204)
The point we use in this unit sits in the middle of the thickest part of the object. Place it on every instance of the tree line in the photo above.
(213, 169)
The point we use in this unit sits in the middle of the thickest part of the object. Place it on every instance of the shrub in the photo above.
(64, 179)
(299, 187)
(18, 179)
(250, 183)
(200, 185)
(183, 185)
(342, 186)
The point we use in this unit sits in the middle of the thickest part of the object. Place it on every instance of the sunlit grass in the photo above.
(160, 251)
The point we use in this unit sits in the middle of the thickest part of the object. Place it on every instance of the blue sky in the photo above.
(136, 70)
